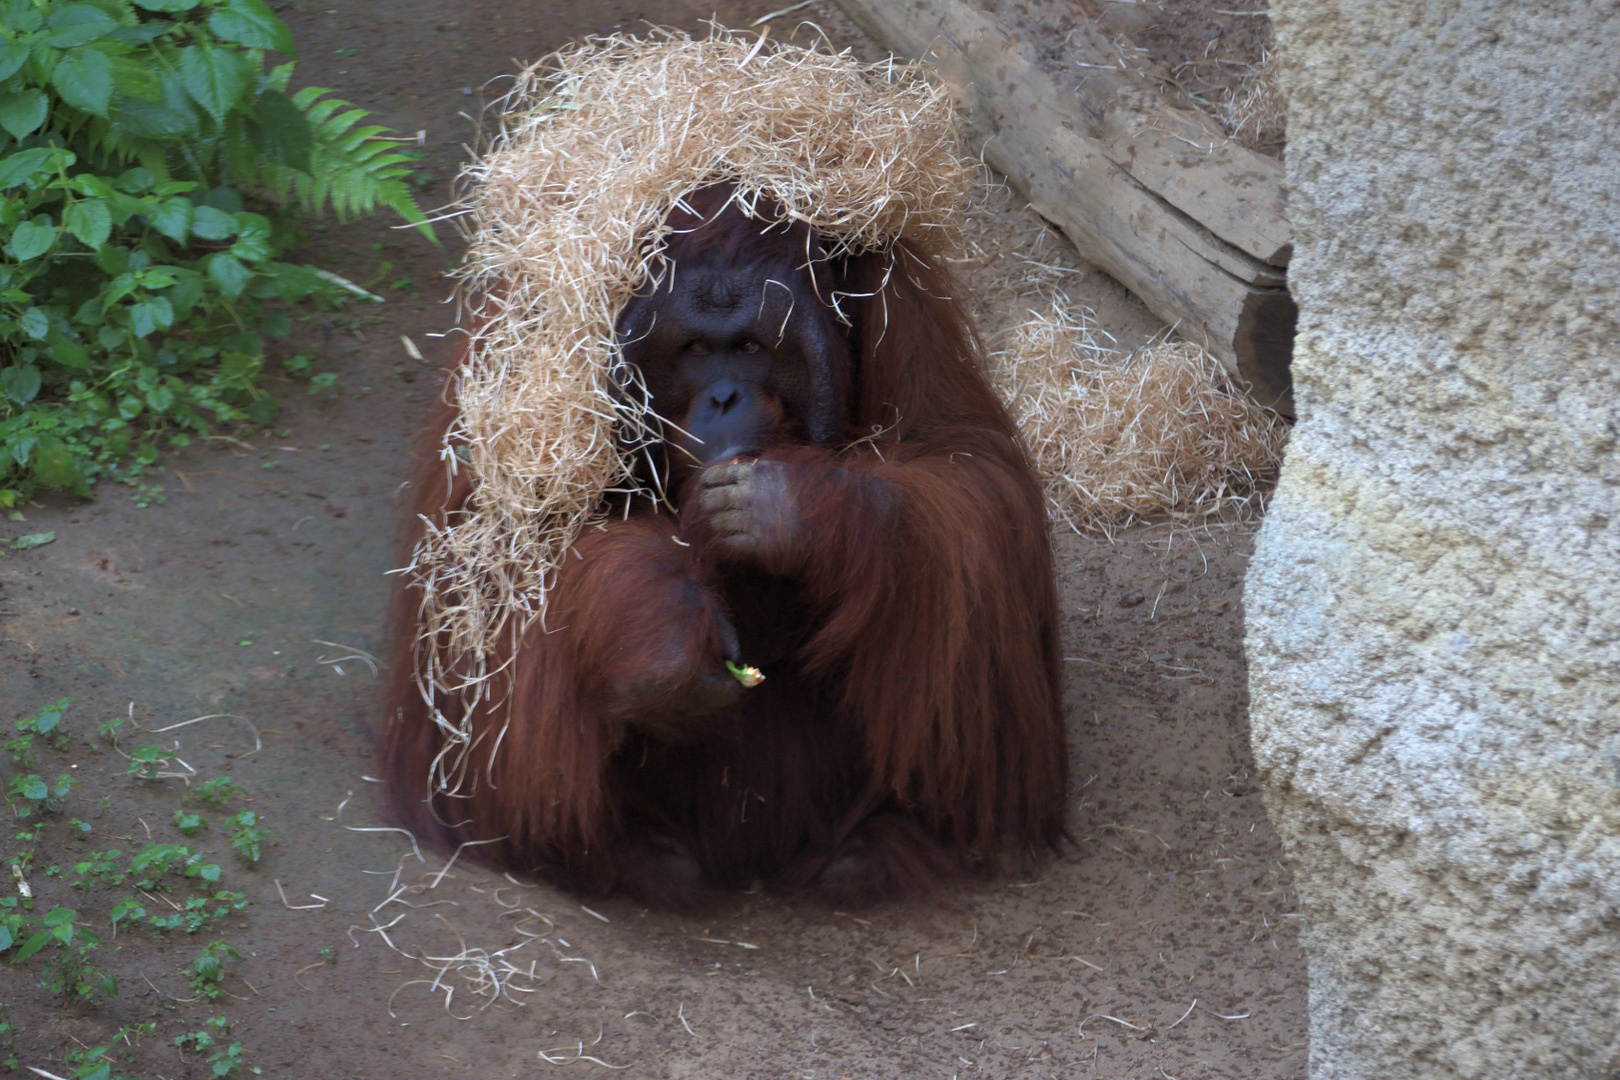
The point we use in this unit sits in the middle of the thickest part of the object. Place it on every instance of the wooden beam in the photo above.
(1154, 194)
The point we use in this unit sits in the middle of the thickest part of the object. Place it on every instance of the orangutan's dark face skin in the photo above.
(736, 349)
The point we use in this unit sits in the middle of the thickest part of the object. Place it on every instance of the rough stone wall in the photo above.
(1434, 606)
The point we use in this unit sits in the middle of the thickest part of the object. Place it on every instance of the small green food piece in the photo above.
(750, 677)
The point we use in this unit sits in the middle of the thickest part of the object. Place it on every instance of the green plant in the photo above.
(68, 972)
(46, 725)
(155, 860)
(223, 1062)
(147, 762)
(188, 821)
(214, 792)
(208, 969)
(153, 172)
(13, 920)
(96, 1063)
(245, 837)
(30, 794)
(98, 868)
(8, 1041)
(23, 859)
(127, 908)
(196, 914)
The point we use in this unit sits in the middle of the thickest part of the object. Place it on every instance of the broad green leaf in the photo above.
(123, 207)
(159, 277)
(78, 24)
(166, 5)
(89, 220)
(6, 936)
(160, 399)
(18, 167)
(22, 113)
(90, 185)
(284, 133)
(253, 237)
(215, 78)
(59, 916)
(32, 239)
(251, 23)
(118, 288)
(35, 789)
(186, 293)
(211, 224)
(141, 33)
(28, 543)
(152, 119)
(23, 17)
(70, 353)
(153, 313)
(35, 323)
(231, 276)
(34, 943)
(136, 180)
(20, 382)
(173, 219)
(224, 198)
(12, 58)
(21, 448)
(84, 79)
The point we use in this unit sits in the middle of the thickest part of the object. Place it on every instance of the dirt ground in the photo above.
(1162, 944)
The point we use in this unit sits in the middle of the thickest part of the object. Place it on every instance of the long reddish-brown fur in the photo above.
(912, 729)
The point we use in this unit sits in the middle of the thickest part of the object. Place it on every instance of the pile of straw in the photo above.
(564, 214)
(1119, 437)
(1255, 113)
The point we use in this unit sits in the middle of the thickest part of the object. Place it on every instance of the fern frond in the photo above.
(352, 169)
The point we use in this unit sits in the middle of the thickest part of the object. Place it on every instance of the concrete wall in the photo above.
(1434, 607)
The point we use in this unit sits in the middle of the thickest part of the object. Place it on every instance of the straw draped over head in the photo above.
(565, 216)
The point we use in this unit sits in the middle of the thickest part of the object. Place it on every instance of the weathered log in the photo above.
(1154, 194)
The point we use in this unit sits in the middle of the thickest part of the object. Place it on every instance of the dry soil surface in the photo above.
(1162, 943)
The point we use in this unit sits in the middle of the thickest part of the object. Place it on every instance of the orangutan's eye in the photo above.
(751, 346)
(698, 348)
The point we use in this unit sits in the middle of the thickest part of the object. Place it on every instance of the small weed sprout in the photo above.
(127, 908)
(188, 821)
(108, 729)
(214, 792)
(96, 1062)
(155, 860)
(223, 1062)
(8, 1041)
(245, 835)
(197, 914)
(69, 971)
(46, 725)
(147, 762)
(98, 868)
(30, 794)
(208, 969)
